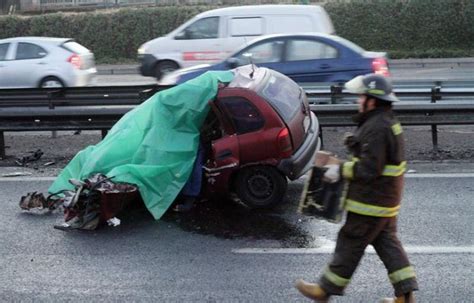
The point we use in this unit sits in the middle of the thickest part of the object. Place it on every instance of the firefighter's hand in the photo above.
(332, 174)
(349, 141)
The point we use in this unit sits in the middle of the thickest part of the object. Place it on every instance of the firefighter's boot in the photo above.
(312, 291)
(406, 298)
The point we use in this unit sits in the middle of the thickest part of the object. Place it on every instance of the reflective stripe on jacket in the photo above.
(376, 170)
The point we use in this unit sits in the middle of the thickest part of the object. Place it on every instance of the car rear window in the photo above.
(283, 94)
(349, 44)
(75, 48)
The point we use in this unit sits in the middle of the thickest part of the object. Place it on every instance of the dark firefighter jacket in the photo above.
(376, 170)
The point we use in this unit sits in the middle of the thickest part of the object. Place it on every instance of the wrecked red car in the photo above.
(263, 133)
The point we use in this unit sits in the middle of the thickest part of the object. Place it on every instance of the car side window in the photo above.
(29, 51)
(266, 52)
(207, 28)
(3, 51)
(299, 50)
(244, 115)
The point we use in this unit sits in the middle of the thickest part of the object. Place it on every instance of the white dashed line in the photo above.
(328, 249)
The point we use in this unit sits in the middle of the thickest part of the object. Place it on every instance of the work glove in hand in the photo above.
(332, 174)
(350, 142)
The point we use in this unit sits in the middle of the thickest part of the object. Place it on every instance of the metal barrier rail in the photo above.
(98, 108)
(132, 95)
(336, 95)
(77, 96)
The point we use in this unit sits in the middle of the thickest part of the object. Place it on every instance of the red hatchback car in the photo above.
(266, 135)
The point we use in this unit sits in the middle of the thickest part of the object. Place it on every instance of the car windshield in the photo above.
(283, 94)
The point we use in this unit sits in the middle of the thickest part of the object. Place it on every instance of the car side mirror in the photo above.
(232, 62)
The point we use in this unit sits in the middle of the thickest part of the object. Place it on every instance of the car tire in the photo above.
(164, 67)
(260, 186)
(51, 82)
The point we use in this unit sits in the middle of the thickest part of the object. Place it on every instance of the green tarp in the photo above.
(154, 145)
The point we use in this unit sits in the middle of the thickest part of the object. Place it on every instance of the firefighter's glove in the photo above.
(350, 142)
(332, 174)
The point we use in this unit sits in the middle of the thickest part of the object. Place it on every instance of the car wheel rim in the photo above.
(260, 186)
(52, 83)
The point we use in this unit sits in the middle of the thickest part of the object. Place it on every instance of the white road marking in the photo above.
(329, 249)
(443, 175)
(26, 179)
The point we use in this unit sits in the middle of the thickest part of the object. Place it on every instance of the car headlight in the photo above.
(141, 50)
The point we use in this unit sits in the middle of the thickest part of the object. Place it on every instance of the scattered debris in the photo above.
(17, 174)
(33, 200)
(113, 222)
(34, 156)
(94, 201)
(37, 202)
(49, 163)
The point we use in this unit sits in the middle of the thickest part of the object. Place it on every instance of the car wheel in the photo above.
(51, 82)
(260, 186)
(165, 67)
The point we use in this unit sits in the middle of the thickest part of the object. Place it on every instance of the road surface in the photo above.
(223, 252)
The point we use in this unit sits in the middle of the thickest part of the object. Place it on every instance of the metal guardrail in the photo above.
(336, 95)
(98, 108)
(77, 96)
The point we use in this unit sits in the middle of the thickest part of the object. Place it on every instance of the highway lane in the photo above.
(399, 74)
(166, 261)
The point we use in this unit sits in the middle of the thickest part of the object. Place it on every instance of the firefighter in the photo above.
(375, 177)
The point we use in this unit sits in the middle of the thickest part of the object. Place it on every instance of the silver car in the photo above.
(44, 62)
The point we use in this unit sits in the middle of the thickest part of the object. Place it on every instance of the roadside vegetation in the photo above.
(403, 28)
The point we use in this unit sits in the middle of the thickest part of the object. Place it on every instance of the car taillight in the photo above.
(75, 60)
(380, 66)
(284, 143)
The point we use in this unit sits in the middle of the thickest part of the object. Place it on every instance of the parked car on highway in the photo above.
(44, 62)
(211, 36)
(305, 57)
(267, 133)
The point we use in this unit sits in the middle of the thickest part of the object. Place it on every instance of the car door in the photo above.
(200, 42)
(30, 64)
(5, 66)
(312, 60)
(248, 123)
(224, 158)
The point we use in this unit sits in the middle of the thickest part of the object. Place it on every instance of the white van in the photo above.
(211, 36)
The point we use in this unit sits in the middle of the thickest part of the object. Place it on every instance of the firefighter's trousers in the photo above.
(357, 233)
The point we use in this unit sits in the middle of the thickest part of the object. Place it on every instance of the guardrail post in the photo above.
(104, 132)
(435, 95)
(321, 136)
(336, 90)
(2, 145)
(54, 133)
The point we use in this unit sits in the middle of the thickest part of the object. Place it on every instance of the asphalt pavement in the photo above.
(188, 258)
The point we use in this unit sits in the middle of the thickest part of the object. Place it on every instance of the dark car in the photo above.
(307, 57)
(266, 134)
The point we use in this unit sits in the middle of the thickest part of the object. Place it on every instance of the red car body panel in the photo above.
(260, 146)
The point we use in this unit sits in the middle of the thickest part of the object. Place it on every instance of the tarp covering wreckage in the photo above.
(153, 146)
